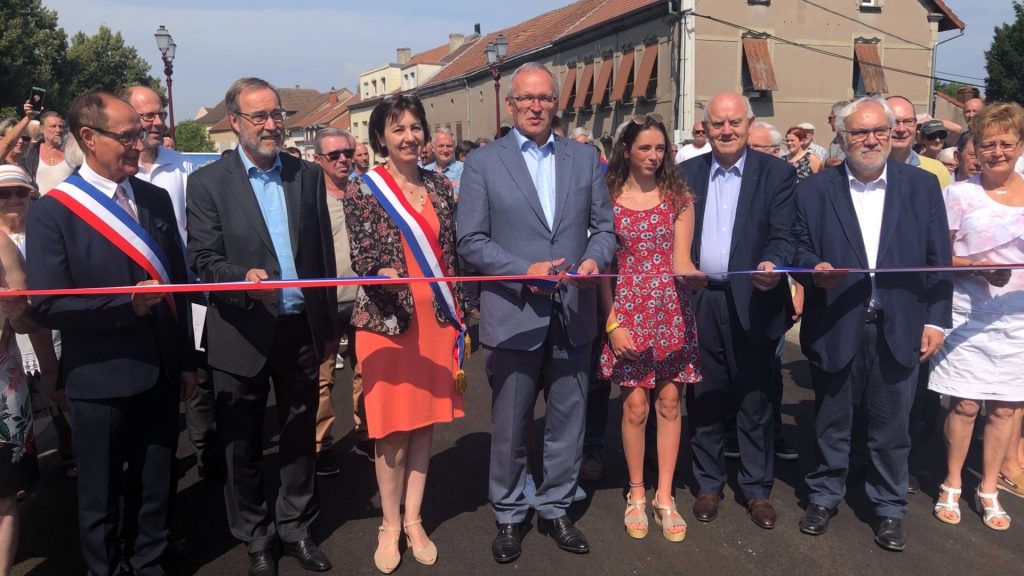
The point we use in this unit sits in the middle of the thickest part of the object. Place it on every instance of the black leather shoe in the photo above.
(567, 535)
(308, 554)
(508, 544)
(816, 518)
(889, 534)
(262, 563)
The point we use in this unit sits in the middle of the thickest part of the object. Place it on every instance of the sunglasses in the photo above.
(699, 132)
(642, 119)
(335, 155)
(21, 193)
(939, 136)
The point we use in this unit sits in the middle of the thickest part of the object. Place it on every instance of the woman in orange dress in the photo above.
(401, 223)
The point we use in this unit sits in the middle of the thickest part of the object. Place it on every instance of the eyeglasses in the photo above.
(860, 135)
(126, 139)
(334, 155)
(767, 149)
(261, 118)
(525, 101)
(21, 193)
(939, 136)
(996, 147)
(905, 122)
(150, 116)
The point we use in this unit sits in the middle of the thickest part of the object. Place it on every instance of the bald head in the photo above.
(151, 111)
(727, 118)
(971, 108)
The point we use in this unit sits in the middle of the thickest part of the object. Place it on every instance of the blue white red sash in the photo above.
(112, 222)
(423, 245)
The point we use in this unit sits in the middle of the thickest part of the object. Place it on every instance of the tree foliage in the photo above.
(102, 61)
(950, 88)
(190, 136)
(1004, 60)
(32, 49)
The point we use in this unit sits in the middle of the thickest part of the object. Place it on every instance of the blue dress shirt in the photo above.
(269, 191)
(540, 160)
(453, 171)
(719, 217)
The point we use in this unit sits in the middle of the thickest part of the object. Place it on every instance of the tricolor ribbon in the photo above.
(112, 222)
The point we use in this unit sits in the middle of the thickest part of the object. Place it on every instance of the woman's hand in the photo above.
(997, 278)
(391, 273)
(621, 343)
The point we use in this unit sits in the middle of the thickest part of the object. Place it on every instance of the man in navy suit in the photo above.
(866, 334)
(744, 221)
(124, 355)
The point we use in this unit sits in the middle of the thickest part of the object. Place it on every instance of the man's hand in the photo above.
(997, 278)
(143, 301)
(545, 268)
(767, 279)
(391, 273)
(189, 382)
(586, 268)
(798, 301)
(826, 276)
(258, 275)
(931, 341)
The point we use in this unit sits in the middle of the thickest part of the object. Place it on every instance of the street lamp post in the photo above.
(495, 52)
(167, 47)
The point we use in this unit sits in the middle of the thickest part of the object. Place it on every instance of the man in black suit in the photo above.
(866, 334)
(744, 220)
(255, 215)
(125, 356)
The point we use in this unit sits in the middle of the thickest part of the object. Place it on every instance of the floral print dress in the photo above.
(656, 311)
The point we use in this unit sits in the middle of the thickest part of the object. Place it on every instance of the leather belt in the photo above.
(718, 285)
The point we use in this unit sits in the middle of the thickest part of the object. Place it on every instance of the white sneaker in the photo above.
(339, 362)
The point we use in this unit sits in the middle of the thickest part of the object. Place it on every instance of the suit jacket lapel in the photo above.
(839, 195)
(748, 184)
(891, 212)
(513, 159)
(241, 190)
(699, 184)
(291, 179)
(563, 178)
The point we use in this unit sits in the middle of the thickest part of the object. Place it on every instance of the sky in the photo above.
(320, 44)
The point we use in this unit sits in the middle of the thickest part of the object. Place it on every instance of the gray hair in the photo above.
(852, 107)
(443, 130)
(581, 131)
(535, 67)
(330, 133)
(946, 155)
(707, 108)
(776, 135)
(6, 126)
(243, 85)
(839, 106)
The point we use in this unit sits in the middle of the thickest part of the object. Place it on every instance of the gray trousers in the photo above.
(561, 370)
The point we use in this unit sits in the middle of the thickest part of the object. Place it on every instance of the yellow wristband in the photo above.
(611, 327)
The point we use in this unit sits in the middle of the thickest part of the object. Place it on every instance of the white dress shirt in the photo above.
(170, 171)
(107, 187)
(869, 203)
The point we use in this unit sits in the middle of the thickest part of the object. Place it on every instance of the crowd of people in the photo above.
(656, 269)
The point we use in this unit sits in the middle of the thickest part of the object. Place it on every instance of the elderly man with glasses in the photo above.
(258, 215)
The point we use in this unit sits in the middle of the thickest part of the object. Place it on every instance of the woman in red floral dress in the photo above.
(652, 335)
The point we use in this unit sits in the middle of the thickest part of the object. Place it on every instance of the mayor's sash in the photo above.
(427, 251)
(111, 221)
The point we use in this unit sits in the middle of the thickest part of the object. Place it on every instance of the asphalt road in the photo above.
(458, 518)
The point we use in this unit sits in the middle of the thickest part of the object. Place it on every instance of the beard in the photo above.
(258, 148)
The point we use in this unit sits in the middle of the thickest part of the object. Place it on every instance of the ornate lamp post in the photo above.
(495, 52)
(167, 47)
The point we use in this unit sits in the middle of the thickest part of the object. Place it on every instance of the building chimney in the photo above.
(454, 41)
(476, 28)
(334, 97)
(404, 55)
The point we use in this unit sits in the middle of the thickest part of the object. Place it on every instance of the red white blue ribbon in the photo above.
(112, 222)
(423, 245)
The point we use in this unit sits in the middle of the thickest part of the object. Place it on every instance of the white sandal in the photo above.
(992, 513)
(947, 505)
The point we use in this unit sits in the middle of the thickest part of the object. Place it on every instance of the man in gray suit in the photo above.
(535, 204)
